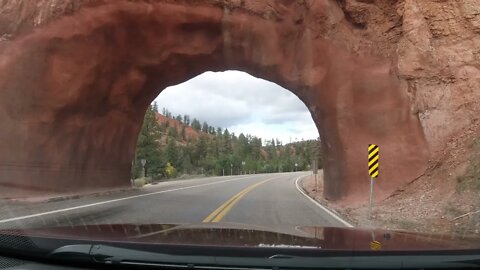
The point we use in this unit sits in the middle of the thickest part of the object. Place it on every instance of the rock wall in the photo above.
(76, 77)
(439, 63)
(434, 46)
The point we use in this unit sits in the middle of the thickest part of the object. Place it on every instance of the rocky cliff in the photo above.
(402, 74)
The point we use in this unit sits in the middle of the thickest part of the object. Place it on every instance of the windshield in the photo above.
(321, 125)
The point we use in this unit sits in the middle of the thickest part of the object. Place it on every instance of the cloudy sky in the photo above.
(241, 103)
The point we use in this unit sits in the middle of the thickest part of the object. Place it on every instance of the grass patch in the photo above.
(452, 211)
(471, 179)
(467, 226)
(406, 225)
(139, 182)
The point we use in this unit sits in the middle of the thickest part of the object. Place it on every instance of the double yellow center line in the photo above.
(223, 210)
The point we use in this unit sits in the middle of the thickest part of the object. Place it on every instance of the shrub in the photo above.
(139, 182)
(170, 171)
(471, 179)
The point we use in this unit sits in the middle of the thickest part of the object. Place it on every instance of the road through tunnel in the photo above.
(74, 91)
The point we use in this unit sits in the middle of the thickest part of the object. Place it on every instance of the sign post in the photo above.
(373, 171)
(143, 161)
(315, 172)
(370, 203)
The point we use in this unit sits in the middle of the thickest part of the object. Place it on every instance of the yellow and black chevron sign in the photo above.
(373, 159)
(375, 245)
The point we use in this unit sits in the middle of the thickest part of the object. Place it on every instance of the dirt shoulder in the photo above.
(446, 199)
(410, 211)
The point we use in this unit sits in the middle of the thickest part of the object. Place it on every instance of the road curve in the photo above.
(266, 200)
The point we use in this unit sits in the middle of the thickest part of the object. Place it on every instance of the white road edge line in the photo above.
(115, 200)
(319, 205)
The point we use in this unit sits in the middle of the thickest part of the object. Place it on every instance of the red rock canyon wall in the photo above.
(76, 78)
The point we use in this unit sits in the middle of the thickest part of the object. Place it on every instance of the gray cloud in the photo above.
(232, 99)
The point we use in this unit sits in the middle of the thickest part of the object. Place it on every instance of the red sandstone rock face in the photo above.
(77, 76)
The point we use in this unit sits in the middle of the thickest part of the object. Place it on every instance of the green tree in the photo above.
(255, 147)
(271, 149)
(218, 154)
(211, 130)
(172, 153)
(196, 124)
(166, 113)
(205, 127)
(226, 142)
(200, 150)
(155, 107)
(148, 146)
(186, 119)
(179, 118)
(187, 162)
(243, 146)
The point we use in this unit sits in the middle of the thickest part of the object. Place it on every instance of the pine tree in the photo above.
(196, 124)
(219, 154)
(205, 127)
(179, 118)
(186, 119)
(148, 146)
(227, 146)
(171, 152)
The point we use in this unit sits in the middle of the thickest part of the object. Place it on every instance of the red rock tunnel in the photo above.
(74, 91)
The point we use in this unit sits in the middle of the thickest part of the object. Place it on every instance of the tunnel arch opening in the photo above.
(240, 124)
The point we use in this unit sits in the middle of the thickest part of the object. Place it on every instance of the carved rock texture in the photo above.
(76, 77)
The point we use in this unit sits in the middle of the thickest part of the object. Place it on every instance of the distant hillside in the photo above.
(174, 146)
(170, 123)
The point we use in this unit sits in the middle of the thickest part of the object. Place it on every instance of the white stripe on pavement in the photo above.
(112, 201)
(321, 206)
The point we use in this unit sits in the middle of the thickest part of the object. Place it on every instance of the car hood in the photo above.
(241, 235)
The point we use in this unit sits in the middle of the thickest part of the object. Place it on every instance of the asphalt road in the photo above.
(267, 200)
